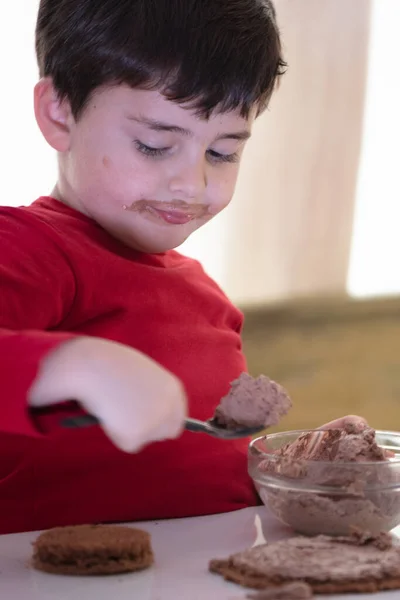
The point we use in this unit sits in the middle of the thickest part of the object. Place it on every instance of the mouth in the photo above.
(174, 217)
(172, 214)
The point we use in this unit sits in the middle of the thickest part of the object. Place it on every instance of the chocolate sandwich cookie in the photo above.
(360, 563)
(92, 550)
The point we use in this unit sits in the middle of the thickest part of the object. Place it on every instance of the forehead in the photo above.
(153, 105)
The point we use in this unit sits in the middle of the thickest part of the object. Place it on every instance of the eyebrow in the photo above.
(156, 125)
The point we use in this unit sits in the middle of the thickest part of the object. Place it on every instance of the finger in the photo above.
(359, 422)
(173, 423)
(169, 430)
(389, 454)
(124, 440)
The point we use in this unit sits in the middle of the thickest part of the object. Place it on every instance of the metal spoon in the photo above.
(211, 427)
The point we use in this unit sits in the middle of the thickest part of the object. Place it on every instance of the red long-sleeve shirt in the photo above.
(61, 275)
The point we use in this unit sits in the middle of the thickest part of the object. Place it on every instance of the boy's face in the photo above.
(148, 170)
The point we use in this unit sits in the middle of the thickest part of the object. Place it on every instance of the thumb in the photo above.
(358, 422)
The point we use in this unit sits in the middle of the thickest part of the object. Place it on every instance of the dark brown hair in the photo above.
(212, 54)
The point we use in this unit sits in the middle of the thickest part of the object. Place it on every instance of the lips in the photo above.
(173, 214)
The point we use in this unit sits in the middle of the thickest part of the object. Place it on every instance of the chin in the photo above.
(154, 246)
(149, 242)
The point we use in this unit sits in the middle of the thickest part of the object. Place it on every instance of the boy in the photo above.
(148, 104)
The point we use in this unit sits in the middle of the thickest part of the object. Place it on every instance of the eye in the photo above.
(149, 151)
(217, 157)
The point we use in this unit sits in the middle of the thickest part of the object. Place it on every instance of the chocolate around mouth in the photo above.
(194, 211)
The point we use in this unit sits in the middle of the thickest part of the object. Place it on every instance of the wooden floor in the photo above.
(335, 358)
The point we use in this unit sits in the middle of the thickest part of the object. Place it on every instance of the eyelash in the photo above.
(159, 152)
(224, 158)
(147, 151)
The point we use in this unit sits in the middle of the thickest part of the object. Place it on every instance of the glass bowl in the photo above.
(329, 498)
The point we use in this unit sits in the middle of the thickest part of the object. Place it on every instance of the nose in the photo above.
(190, 180)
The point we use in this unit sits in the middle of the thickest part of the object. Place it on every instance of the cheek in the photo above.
(107, 173)
(126, 179)
(107, 162)
(103, 165)
(223, 189)
(85, 158)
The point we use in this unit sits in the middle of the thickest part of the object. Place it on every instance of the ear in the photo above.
(53, 116)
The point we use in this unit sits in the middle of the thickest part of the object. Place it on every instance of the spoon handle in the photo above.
(197, 426)
(89, 420)
(79, 422)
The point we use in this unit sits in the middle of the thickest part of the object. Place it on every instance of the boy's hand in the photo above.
(341, 423)
(359, 423)
(135, 399)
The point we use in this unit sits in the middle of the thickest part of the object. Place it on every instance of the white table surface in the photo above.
(182, 549)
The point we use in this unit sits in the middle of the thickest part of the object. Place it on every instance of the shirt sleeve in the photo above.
(37, 290)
